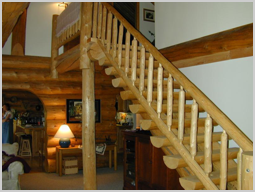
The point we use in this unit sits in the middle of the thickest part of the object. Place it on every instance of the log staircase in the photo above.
(180, 117)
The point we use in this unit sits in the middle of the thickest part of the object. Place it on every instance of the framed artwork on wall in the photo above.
(148, 15)
(74, 110)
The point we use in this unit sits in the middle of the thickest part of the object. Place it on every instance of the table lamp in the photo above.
(64, 133)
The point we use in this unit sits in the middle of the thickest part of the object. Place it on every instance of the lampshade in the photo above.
(64, 132)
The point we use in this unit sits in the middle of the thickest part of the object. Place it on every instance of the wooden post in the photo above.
(223, 160)
(109, 31)
(208, 145)
(181, 114)
(239, 169)
(120, 39)
(127, 49)
(19, 35)
(134, 61)
(114, 37)
(193, 129)
(54, 49)
(169, 101)
(99, 24)
(104, 24)
(88, 101)
(247, 170)
(150, 80)
(95, 12)
(142, 67)
(160, 90)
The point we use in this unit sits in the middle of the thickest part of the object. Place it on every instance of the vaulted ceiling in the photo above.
(10, 14)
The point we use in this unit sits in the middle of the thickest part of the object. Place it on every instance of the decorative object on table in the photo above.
(64, 133)
(74, 110)
(148, 15)
(100, 148)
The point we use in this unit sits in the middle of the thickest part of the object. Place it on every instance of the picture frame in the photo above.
(148, 15)
(74, 111)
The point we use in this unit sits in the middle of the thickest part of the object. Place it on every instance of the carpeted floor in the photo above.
(107, 179)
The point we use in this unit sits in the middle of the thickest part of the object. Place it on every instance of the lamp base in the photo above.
(64, 143)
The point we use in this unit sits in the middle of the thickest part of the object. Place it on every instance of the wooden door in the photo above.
(144, 164)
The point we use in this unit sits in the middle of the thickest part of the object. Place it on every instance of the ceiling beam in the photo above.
(231, 44)
(10, 14)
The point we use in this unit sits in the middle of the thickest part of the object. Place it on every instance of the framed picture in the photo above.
(74, 110)
(148, 15)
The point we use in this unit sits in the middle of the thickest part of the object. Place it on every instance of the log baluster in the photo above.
(181, 114)
(208, 145)
(99, 24)
(120, 39)
(104, 25)
(247, 170)
(95, 12)
(239, 169)
(223, 160)
(169, 101)
(160, 90)
(114, 37)
(127, 49)
(150, 80)
(109, 32)
(193, 129)
(134, 61)
(142, 68)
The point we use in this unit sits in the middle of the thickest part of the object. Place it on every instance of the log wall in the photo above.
(17, 75)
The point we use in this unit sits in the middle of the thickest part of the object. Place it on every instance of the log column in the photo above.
(54, 49)
(88, 101)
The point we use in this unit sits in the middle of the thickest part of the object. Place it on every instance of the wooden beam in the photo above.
(230, 44)
(25, 62)
(88, 101)
(19, 35)
(10, 14)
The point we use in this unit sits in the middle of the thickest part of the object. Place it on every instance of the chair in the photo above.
(10, 177)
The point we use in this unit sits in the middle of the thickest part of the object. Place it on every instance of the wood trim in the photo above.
(230, 44)
(19, 35)
(234, 132)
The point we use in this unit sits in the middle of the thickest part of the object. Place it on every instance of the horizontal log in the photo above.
(193, 183)
(51, 165)
(150, 125)
(24, 75)
(25, 62)
(229, 44)
(56, 112)
(128, 95)
(162, 141)
(176, 161)
(51, 152)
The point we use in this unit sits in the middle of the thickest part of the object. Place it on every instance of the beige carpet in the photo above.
(107, 179)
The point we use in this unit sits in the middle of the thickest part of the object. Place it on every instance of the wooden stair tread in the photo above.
(193, 183)
(162, 141)
(139, 108)
(176, 161)
(128, 95)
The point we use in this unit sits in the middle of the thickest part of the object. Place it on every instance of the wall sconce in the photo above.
(63, 4)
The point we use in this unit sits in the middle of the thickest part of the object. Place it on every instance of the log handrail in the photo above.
(232, 130)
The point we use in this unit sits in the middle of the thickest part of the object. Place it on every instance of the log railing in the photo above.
(144, 59)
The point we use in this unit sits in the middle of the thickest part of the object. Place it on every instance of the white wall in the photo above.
(229, 84)
(38, 31)
(146, 26)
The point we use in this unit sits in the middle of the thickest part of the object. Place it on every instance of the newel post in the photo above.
(88, 101)
(247, 170)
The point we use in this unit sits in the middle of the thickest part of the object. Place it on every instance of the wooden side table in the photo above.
(71, 151)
